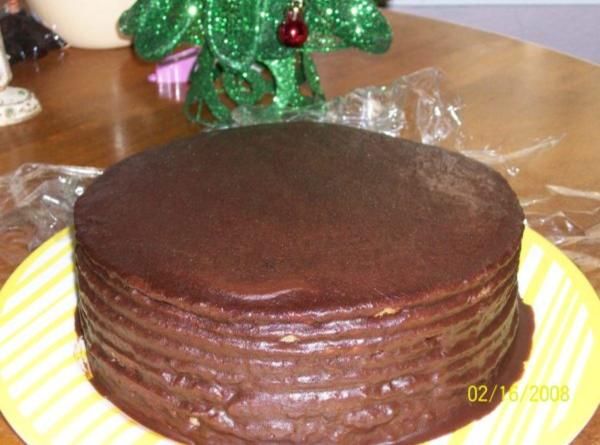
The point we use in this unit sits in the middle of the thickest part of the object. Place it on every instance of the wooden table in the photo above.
(98, 107)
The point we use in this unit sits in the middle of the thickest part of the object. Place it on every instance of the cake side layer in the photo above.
(397, 323)
(362, 381)
(394, 316)
(187, 430)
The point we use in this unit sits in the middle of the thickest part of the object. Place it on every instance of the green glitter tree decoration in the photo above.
(252, 49)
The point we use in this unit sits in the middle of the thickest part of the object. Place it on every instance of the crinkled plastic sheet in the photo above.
(37, 200)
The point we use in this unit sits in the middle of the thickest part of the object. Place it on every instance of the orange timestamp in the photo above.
(518, 393)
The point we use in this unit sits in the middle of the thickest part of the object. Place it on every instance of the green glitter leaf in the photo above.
(241, 51)
(158, 25)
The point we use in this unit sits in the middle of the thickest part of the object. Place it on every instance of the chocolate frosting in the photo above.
(279, 220)
(297, 282)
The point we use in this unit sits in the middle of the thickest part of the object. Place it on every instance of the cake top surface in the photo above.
(297, 218)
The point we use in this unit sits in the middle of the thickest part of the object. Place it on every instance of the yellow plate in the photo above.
(46, 397)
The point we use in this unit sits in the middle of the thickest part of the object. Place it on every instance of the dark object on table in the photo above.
(26, 38)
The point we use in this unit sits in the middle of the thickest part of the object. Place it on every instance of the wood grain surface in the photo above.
(99, 108)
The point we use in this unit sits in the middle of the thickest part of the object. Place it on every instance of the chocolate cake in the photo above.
(299, 283)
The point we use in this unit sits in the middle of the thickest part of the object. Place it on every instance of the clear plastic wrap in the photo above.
(37, 200)
(416, 106)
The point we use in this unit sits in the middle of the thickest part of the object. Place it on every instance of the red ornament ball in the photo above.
(293, 31)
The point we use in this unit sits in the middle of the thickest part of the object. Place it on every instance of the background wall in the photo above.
(568, 27)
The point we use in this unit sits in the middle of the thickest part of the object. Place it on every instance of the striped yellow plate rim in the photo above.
(48, 400)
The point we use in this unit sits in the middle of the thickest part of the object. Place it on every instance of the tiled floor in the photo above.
(573, 29)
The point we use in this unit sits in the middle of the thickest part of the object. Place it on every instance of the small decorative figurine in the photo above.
(254, 49)
(16, 104)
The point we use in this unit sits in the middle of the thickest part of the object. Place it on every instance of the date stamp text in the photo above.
(518, 393)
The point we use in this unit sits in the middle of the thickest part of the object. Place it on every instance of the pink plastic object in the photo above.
(175, 68)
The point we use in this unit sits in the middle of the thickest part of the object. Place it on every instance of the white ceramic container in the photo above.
(84, 23)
